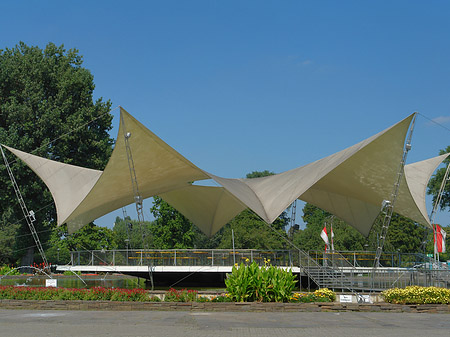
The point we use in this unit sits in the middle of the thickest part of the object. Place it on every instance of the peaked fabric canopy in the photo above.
(350, 184)
(68, 184)
(417, 176)
(159, 168)
(208, 207)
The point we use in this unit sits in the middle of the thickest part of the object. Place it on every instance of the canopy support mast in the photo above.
(137, 196)
(29, 215)
(388, 205)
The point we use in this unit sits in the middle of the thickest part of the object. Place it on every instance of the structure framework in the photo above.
(351, 184)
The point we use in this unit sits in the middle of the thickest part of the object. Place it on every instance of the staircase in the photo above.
(323, 275)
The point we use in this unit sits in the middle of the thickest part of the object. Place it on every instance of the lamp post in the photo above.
(127, 242)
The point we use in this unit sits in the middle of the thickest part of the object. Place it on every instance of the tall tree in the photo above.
(90, 237)
(127, 229)
(170, 228)
(46, 95)
(251, 232)
(404, 235)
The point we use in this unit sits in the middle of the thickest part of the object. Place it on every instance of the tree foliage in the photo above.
(46, 95)
(170, 228)
(89, 237)
(404, 235)
(259, 174)
(251, 232)
(127, 229)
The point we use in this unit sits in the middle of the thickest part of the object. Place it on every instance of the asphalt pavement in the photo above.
(39, 323)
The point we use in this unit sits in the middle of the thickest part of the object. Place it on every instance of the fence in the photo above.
(336, 270)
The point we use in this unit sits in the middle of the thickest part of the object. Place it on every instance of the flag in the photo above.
(332, 238)
(324, 236)
(439, 239)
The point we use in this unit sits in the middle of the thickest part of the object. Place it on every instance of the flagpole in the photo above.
(435, 244)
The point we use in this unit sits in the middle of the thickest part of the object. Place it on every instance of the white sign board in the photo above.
(51, 283)
(345, 298)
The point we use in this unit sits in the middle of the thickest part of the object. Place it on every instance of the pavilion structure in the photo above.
(351, 184)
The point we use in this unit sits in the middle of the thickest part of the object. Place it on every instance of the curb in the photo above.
(231, 307)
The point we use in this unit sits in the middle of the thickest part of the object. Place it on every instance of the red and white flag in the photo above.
(324, 236)
(439, 239)
(332, 239)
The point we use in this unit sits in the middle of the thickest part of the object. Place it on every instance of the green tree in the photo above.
(89, 237)
(170, 228)
(404, 235)
(45, 95)
(7, 238)
(259, 174)
(251, 232)
(127, 229)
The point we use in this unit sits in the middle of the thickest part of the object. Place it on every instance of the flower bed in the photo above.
(417, 295)
(139, 295)
(321, 295)
(92, 294)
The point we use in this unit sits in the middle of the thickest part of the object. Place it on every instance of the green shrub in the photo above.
(184, 295)
(326, 293)
(221, 298)
(203, 299)
(93, 294)
(417, 295)
(6, 269)
(264, 284)
(321, 295)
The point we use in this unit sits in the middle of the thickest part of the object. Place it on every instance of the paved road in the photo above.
(39, 323)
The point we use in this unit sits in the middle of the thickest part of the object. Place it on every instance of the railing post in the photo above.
(92, 258)
(175, 258)
(251, 255)
(212, 257)
(114, 258)
(142, 254)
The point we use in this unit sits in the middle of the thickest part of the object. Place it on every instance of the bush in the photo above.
(321, 295)
(221, 298)
(203, 299)
(6, 269)
(173, 295)
(93, 294)
(417, 295)
(264, 284)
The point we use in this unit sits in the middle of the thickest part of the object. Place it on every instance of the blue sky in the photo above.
(238, 86)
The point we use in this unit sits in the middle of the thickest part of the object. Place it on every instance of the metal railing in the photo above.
(336, 270)
(183, 257)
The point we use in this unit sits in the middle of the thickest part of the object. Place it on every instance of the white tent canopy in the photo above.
(350, 184)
